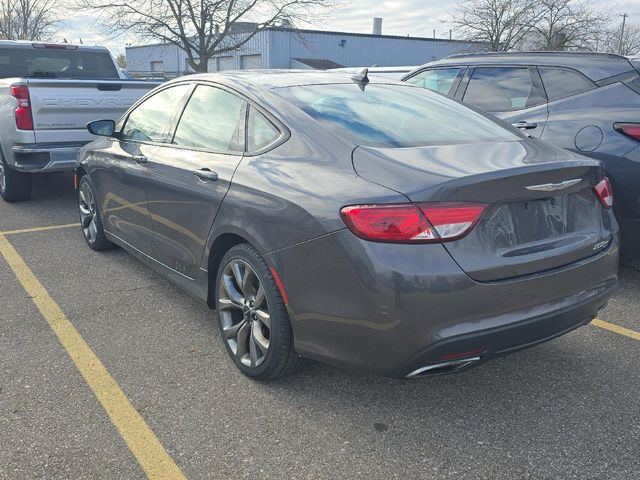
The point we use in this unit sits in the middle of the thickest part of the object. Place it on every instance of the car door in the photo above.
(443, 80)
(573, 111)
(511, 93)
(190, 175)
(121, 183)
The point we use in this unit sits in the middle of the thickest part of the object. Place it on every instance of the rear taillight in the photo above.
(605, 192)
(24, 119)
(412, 223)
(631, 130)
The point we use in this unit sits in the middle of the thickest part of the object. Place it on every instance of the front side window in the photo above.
(260, 131)
(211, 121)
(149, 120)
(393, 115)
(502, 89)
(439, 80)
(560, 82)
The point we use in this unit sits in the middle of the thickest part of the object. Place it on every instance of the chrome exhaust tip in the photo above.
(443, 367)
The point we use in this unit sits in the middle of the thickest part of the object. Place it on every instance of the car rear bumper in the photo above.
(38, 158)
(394, 309)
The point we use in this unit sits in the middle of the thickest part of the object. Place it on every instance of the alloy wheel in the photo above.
(88, 216)
(244, 313)
(3, 181)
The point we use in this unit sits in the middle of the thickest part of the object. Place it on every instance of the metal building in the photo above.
(277, 47)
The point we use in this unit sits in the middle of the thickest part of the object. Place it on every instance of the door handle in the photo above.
(525, 125)
(140, 159)
(206, 175)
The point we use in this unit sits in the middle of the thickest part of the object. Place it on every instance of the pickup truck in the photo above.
(48, 94)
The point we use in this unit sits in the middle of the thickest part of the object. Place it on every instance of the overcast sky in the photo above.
(417, 18)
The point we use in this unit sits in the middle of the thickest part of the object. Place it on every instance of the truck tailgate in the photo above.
(62, 108)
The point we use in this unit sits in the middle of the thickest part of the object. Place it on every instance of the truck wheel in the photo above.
(14, 186)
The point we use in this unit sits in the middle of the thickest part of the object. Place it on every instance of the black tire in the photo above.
(90, 218)
(280, 359)
(15, 186)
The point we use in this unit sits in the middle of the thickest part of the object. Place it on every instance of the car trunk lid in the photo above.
(542, 210)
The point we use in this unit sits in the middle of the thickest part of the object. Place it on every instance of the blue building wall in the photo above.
(277, 48)
(357, 50)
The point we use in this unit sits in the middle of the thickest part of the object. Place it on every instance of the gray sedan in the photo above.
(365, 223)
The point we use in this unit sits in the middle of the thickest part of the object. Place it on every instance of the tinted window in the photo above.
(393, 115)
(502, 89)
(560, 83)
(56, 63)
(149, 120)
(211, 120)
(261, 131)
(439, 80)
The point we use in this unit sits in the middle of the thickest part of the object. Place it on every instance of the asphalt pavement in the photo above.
(569, 408)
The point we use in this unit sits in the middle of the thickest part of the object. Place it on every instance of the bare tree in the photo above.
(28, 19)
(630, 44)
(500, 24)
(121, 60)
(568, 24)
(203, 29)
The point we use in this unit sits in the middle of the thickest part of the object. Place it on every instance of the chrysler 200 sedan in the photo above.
(368, 224)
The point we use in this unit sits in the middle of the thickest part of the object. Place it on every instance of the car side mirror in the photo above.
(104, 128)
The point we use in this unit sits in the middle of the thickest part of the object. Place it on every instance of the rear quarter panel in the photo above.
(584, 123)
(294, 193)
(599, 108)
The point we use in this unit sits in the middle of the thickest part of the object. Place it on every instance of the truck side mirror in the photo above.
(104, 128)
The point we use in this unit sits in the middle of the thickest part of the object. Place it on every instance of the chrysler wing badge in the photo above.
(552, 187)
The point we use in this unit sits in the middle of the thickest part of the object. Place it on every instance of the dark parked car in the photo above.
(585, 102)
(374, 225)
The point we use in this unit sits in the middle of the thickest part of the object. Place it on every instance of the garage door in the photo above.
(225, 63)
(251, 61)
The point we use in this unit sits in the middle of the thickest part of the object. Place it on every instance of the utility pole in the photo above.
(624, 20)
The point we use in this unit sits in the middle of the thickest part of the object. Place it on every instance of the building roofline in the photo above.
(369, 35)
(332, 32)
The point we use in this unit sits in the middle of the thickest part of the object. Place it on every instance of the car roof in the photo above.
(595, 66)
(269, 79)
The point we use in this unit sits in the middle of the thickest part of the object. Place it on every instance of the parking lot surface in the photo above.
(566, 409)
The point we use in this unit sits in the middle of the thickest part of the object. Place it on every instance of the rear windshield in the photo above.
(393, 115)
(56, 63)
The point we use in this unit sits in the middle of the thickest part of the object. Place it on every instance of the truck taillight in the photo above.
(24, 119)
(412, 223)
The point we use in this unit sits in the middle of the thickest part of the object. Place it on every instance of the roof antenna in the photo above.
(361, 78)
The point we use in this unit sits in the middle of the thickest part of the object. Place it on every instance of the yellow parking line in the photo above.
(616, 328)
(142, 442)
(40, 229)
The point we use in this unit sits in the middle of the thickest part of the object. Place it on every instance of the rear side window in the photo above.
(56, 63)
(561, 83)
(393, 115)
(148, 122)
(261, 132)
(439, 80)
(211, 121)
(502, 89)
